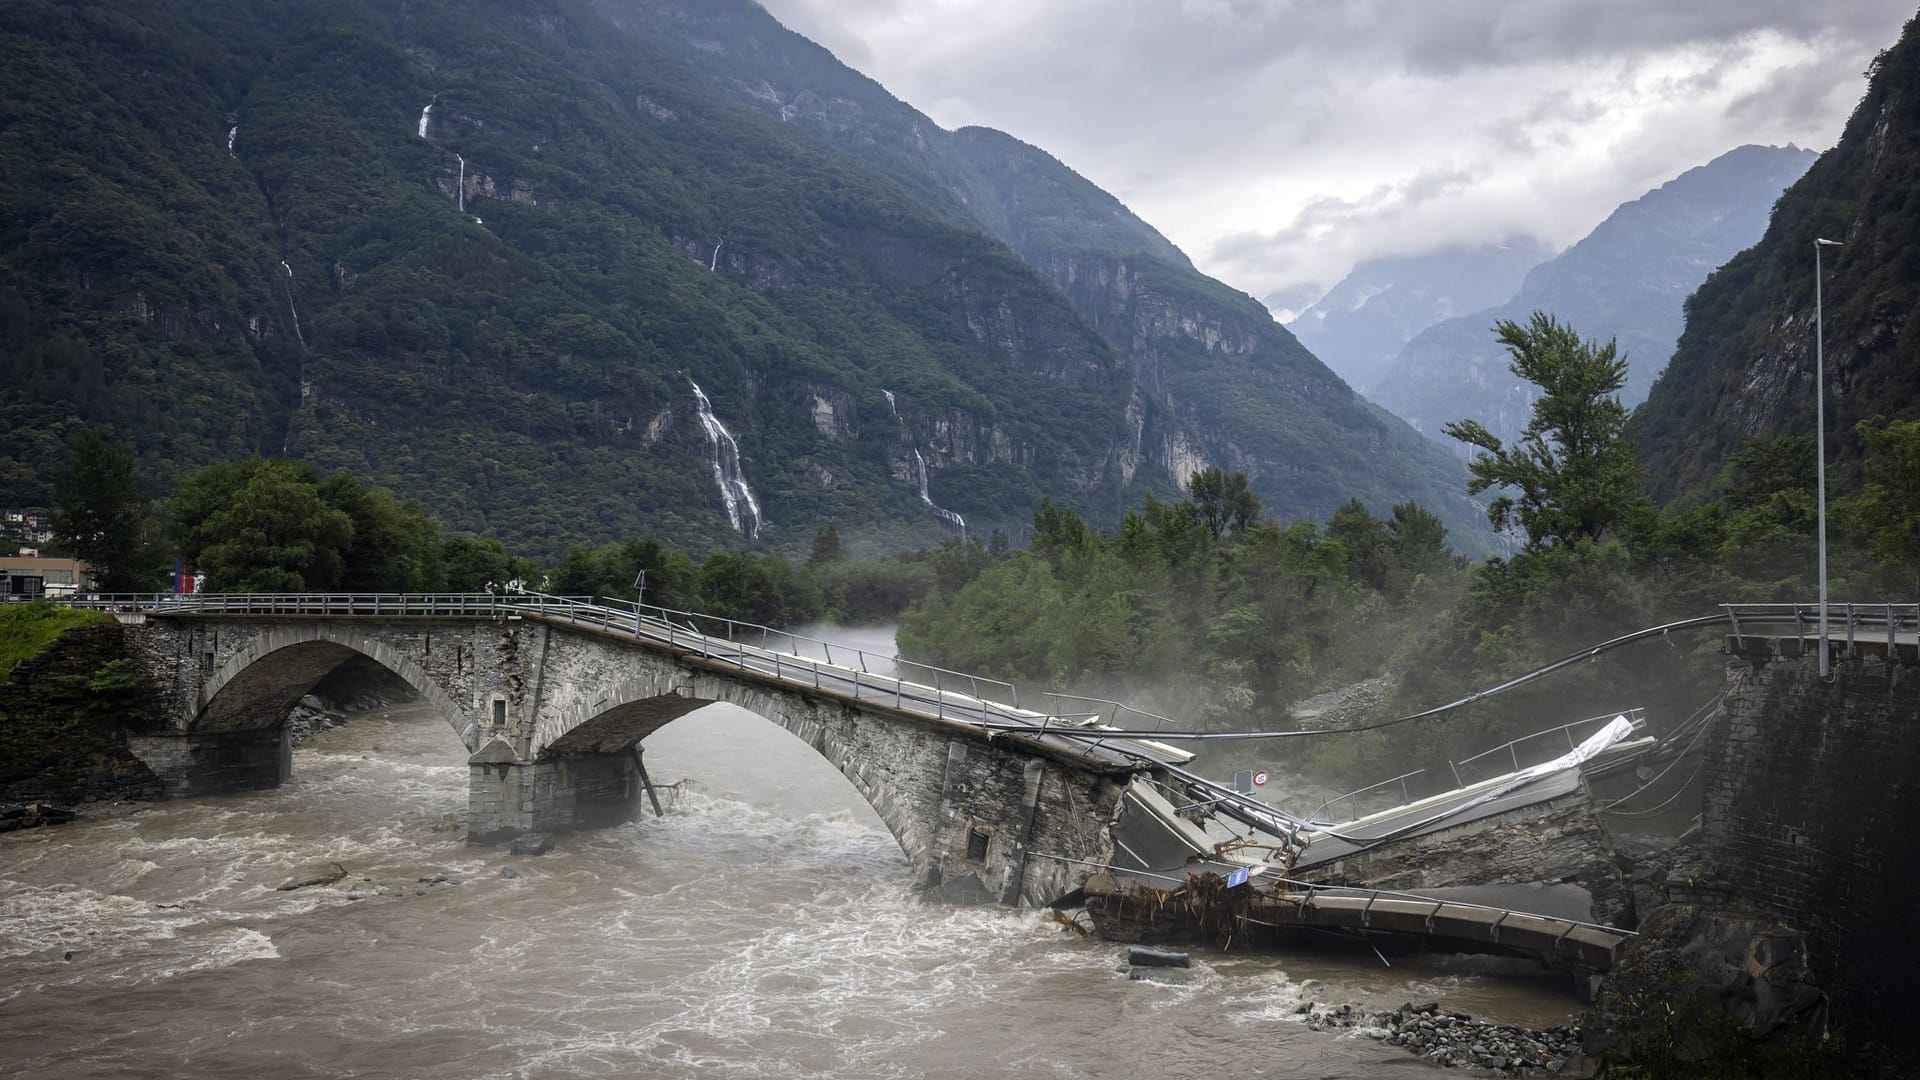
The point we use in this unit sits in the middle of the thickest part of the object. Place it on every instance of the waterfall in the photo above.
(716, 257)
(743, 510)
(461, 190)
(947, 516)
(426, 115)
(232, 134)
(298, 336)
(920, 470)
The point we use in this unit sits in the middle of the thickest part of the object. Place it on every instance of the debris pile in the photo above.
(1452, 1039)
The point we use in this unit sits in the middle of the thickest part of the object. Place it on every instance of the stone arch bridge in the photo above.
(554, 698)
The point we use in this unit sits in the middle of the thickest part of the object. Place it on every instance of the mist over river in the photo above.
(764, 928)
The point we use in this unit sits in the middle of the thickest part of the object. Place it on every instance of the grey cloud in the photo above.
(1801, 93)
(1327, 214)
(1269, 134)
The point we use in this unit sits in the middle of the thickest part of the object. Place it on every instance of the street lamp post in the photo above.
(640, 598)
(1820, 435)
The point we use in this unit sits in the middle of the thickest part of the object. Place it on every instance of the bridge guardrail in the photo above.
(1805, 618)
(1636, 715)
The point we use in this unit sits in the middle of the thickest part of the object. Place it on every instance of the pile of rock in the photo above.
(311, 717)
(1451, 1038)
(33, 815)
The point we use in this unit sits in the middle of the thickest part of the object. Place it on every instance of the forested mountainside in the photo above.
(1627, 280)
(540, 273)
(1359, 327)
(1251, 396)
(482, 253)
(1745, 364)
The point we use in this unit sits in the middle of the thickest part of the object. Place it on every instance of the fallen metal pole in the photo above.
(640, 762)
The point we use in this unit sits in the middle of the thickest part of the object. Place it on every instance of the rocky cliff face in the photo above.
(1625, 281)
(1745, 364)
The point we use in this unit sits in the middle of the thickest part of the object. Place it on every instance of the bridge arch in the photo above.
(619, 721)
(281, 665)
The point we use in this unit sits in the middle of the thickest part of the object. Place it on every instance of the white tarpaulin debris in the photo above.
(1618, 728)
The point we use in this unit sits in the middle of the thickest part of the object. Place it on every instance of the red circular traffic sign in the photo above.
(1260, 778)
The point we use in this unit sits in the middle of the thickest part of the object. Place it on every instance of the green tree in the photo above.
(1223, 499)
(263, 526)
(471, 563)
(1888, 507)
(1572, 474)
(396, 546)
(101, 516)
(826, 547)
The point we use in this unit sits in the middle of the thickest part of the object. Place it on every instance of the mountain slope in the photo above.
(1257, 400)
(1362, 323)
(233, 226)
(1626, 280)
(1744, 367)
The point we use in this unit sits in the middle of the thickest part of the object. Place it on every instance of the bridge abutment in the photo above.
(216, 762)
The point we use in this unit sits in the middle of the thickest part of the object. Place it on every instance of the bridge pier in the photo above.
(507, 797)
(216, 762)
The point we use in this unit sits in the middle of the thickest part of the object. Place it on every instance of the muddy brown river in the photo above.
(764, 928)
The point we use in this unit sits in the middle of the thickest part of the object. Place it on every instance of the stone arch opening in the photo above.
(637, 710)
(258, 688)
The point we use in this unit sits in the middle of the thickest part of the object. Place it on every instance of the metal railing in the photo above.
(739, 631)
(1892, 620)
(1636, 716)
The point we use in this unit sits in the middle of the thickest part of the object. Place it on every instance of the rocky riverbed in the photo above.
(1453, 1039)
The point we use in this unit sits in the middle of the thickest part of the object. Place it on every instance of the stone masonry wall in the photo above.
(1812, 805)
(63, 741)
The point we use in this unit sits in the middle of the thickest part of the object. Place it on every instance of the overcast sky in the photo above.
(1280, 141)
